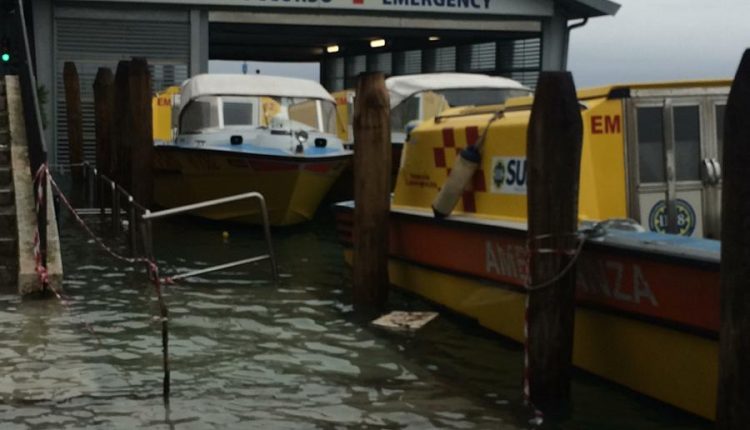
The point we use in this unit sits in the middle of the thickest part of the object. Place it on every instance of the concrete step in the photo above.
(8, 279)
(4, 136)
(6, 196)
(6, 175)
(4, 120)
(4, 155)
(8, 225)
(8, 248)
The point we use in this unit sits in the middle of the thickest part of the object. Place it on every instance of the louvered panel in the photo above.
(337, 67)
(482, 57)
(520, 60)
(383, 63)
(354, 66)
(445, 59)
(412, 62)
(91, 44)
(97, 39)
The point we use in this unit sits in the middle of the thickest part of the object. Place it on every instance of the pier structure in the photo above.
(29, 244)
(513, 38)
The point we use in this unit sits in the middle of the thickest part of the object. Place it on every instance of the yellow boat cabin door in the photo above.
(674, 152)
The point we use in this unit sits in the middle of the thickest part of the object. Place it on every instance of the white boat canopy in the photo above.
(402, 87)
(251, 85)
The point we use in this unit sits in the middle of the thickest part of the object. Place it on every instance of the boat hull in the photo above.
(293, 187)
(643, 320)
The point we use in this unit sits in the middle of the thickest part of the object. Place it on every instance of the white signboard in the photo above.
(509, 175)
(534, 8)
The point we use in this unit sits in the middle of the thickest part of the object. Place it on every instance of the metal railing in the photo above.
(148, 238)
(122, 203)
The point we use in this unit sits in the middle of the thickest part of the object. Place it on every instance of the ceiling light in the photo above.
(433, 38)
(332, 48)
(377, 43)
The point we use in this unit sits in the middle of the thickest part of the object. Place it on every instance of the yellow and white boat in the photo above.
(648, 302)
(240, 133)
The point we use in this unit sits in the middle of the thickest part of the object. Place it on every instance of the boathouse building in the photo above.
(513, 38)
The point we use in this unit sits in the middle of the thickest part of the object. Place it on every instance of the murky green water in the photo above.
(249, 354)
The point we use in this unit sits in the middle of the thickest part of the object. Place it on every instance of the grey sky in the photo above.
(647, 40)
(660, 40)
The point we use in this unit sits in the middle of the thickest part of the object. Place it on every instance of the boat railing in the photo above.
(149, 216)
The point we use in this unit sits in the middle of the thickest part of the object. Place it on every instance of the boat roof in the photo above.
(402, 87)
(252, 85)
(620, 90)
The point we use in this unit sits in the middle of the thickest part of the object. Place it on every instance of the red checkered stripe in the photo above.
(448, 149)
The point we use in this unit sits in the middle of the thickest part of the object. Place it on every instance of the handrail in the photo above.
(34, 132)
(148, 216)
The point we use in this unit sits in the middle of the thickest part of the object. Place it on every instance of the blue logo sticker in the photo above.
(686, 219)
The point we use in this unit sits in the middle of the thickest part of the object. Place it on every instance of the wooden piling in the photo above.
(141, 134)
(121, 126)
(103, 108)
(554, 158)
(372, 161)
(732, 411)
(74, 119)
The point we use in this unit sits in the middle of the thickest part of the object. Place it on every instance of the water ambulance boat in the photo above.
(415, 98)
(240, 133)
(647, 313)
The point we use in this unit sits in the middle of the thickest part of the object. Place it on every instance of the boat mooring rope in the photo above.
(574, 253)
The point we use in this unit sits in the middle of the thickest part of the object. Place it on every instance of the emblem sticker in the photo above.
(509, 175)
(686, 219)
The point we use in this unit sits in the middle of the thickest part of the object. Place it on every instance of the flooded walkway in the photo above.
(247, 353)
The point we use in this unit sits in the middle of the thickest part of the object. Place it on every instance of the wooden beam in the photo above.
(75, 120)
(555, 136)
(372, 188)
(732, 410)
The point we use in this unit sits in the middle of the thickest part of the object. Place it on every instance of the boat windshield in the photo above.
(212, 112)
(427, 104)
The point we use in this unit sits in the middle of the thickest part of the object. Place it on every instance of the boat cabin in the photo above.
(651, 152)
(246, 103)
(414, 98)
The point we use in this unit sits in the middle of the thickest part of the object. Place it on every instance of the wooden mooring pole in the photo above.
(104, 93)
(733, 403)
(554, 159)
(372, 164)
(121, 127)
(141, 135)
(74, 120)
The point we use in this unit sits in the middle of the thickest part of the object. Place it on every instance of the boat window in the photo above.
(305, 112)
(403, 113)
(329, 117)
(687, 143)
(480, 96)
(199, 114)
(238, 112)
(719, 112)
(650, 144)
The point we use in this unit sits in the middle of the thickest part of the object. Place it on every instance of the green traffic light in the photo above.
(5, 57)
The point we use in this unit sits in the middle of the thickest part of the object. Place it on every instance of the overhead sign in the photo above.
(525, 8)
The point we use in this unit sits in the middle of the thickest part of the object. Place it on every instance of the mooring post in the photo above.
(132, 242)
(104, 88)
(372, 164)
(554, 158)
(732, 410)
(121, 127)
(115, 209)
(141, 135)
(74, 119)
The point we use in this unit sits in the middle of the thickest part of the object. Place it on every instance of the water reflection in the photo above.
(247, 353)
